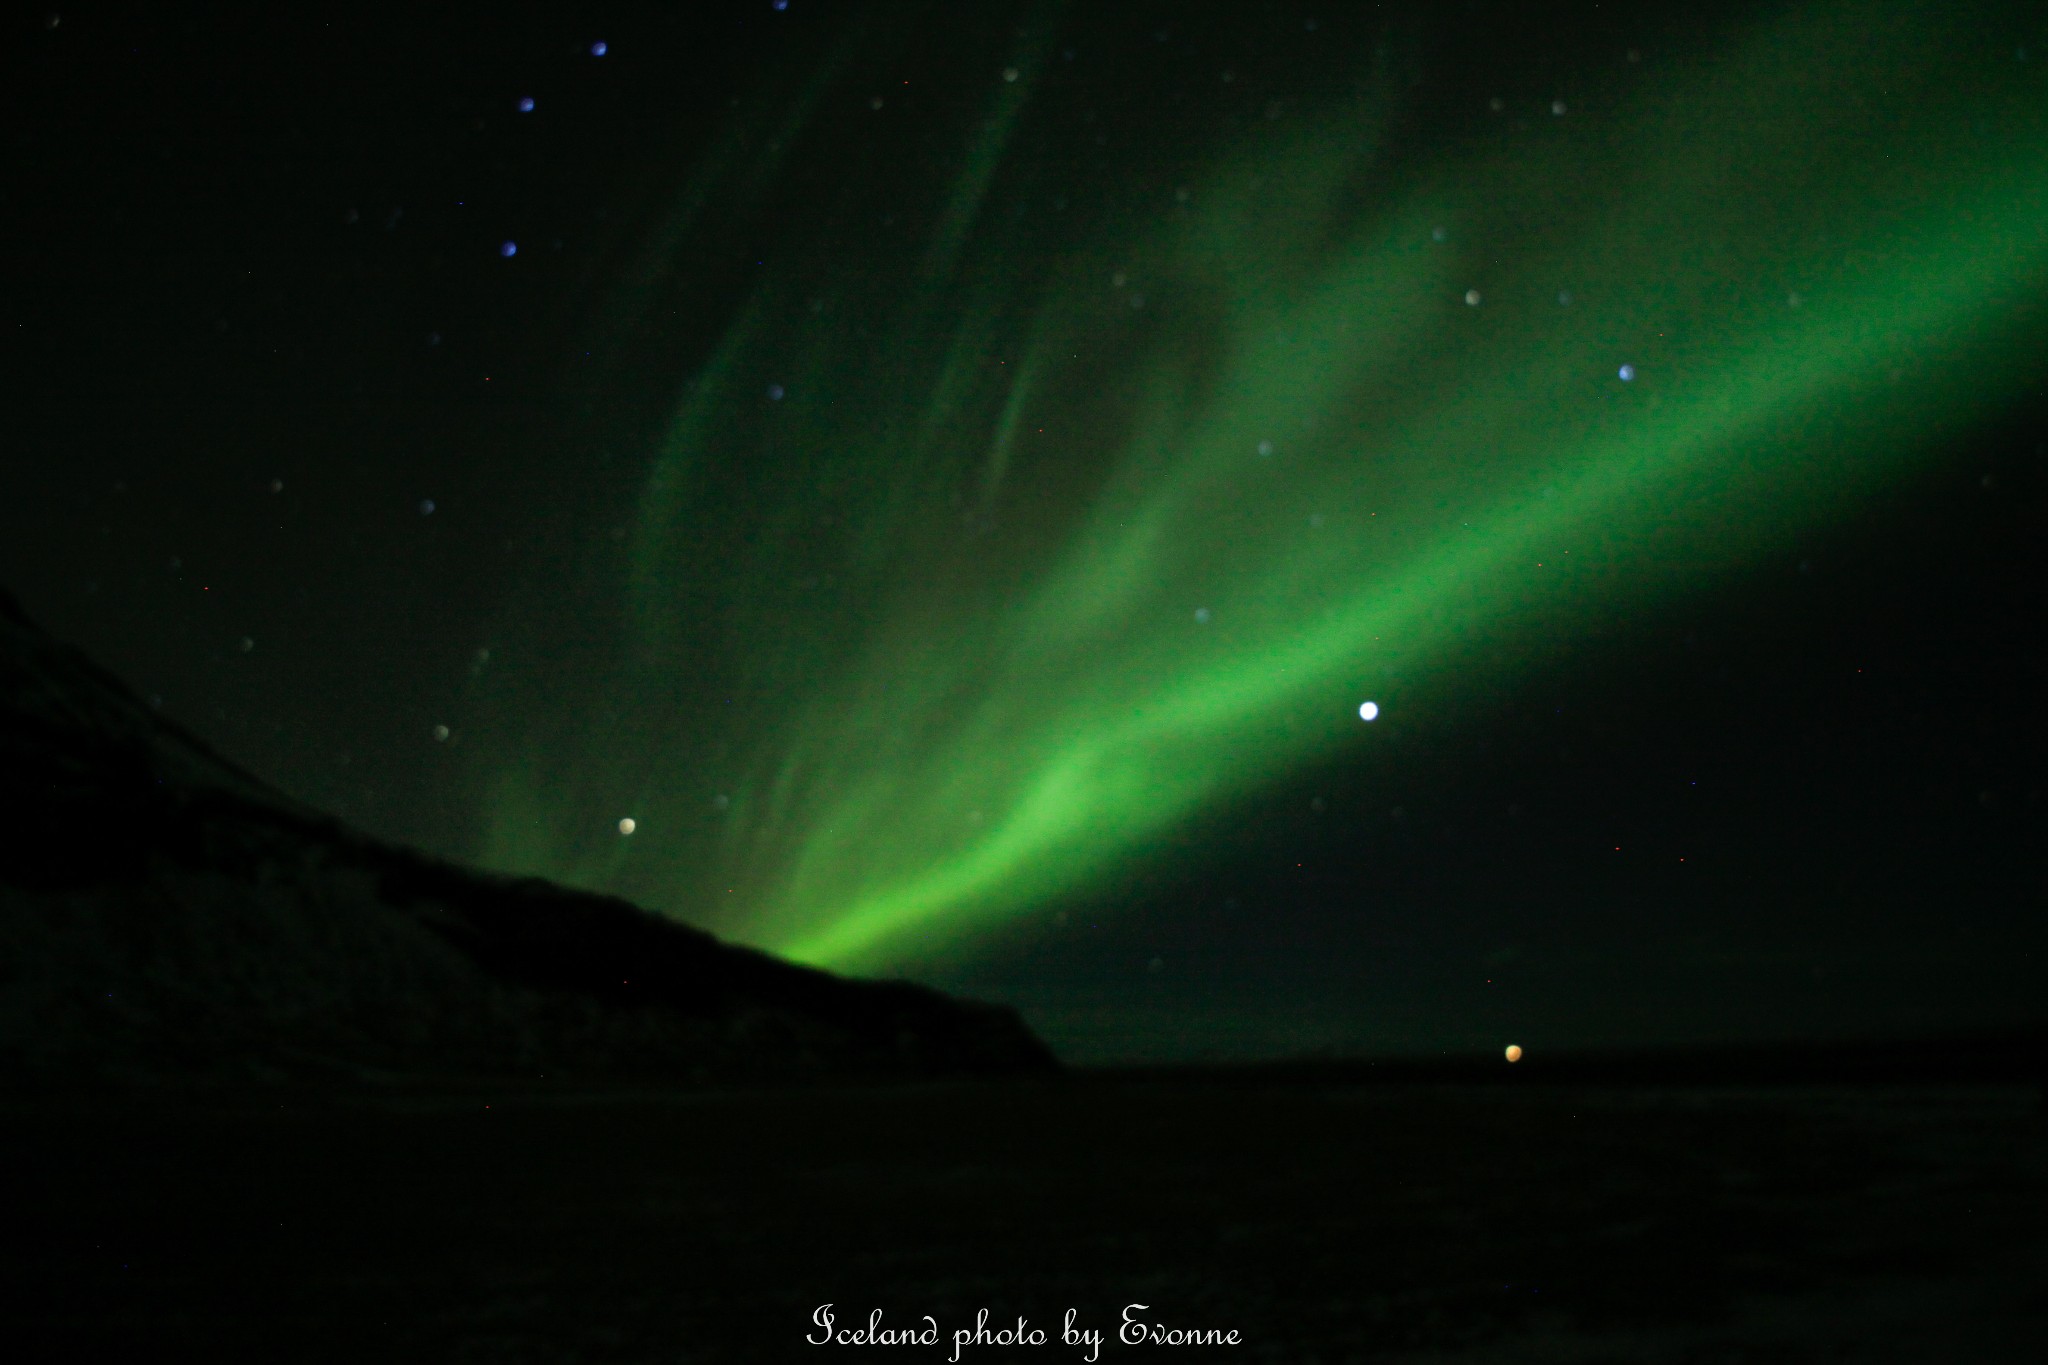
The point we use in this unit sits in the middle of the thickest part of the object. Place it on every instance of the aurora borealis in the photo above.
(926, 490)
(964, 576)
(1368, 675)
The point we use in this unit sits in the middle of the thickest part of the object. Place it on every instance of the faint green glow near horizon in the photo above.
(1007, 691)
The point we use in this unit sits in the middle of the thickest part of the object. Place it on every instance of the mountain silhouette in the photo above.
(166, 916)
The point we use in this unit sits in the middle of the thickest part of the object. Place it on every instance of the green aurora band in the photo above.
(1066, 535)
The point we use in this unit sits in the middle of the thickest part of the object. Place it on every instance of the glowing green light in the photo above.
(1066, 547)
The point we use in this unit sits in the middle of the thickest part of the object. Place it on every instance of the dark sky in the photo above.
(299, 450)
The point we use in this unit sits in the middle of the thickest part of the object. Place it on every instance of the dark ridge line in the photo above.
(91, 745)
(409, 875)
(94, 673)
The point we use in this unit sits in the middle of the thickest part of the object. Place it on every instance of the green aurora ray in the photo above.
(1074, 527)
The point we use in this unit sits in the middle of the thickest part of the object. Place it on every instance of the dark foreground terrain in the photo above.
(1322, 1218)
(228, 1132)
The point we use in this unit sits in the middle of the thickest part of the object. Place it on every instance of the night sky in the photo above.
(951, 475)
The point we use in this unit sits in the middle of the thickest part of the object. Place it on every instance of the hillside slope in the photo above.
(165, 915)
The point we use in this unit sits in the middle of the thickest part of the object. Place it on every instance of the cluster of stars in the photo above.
(526, 104)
